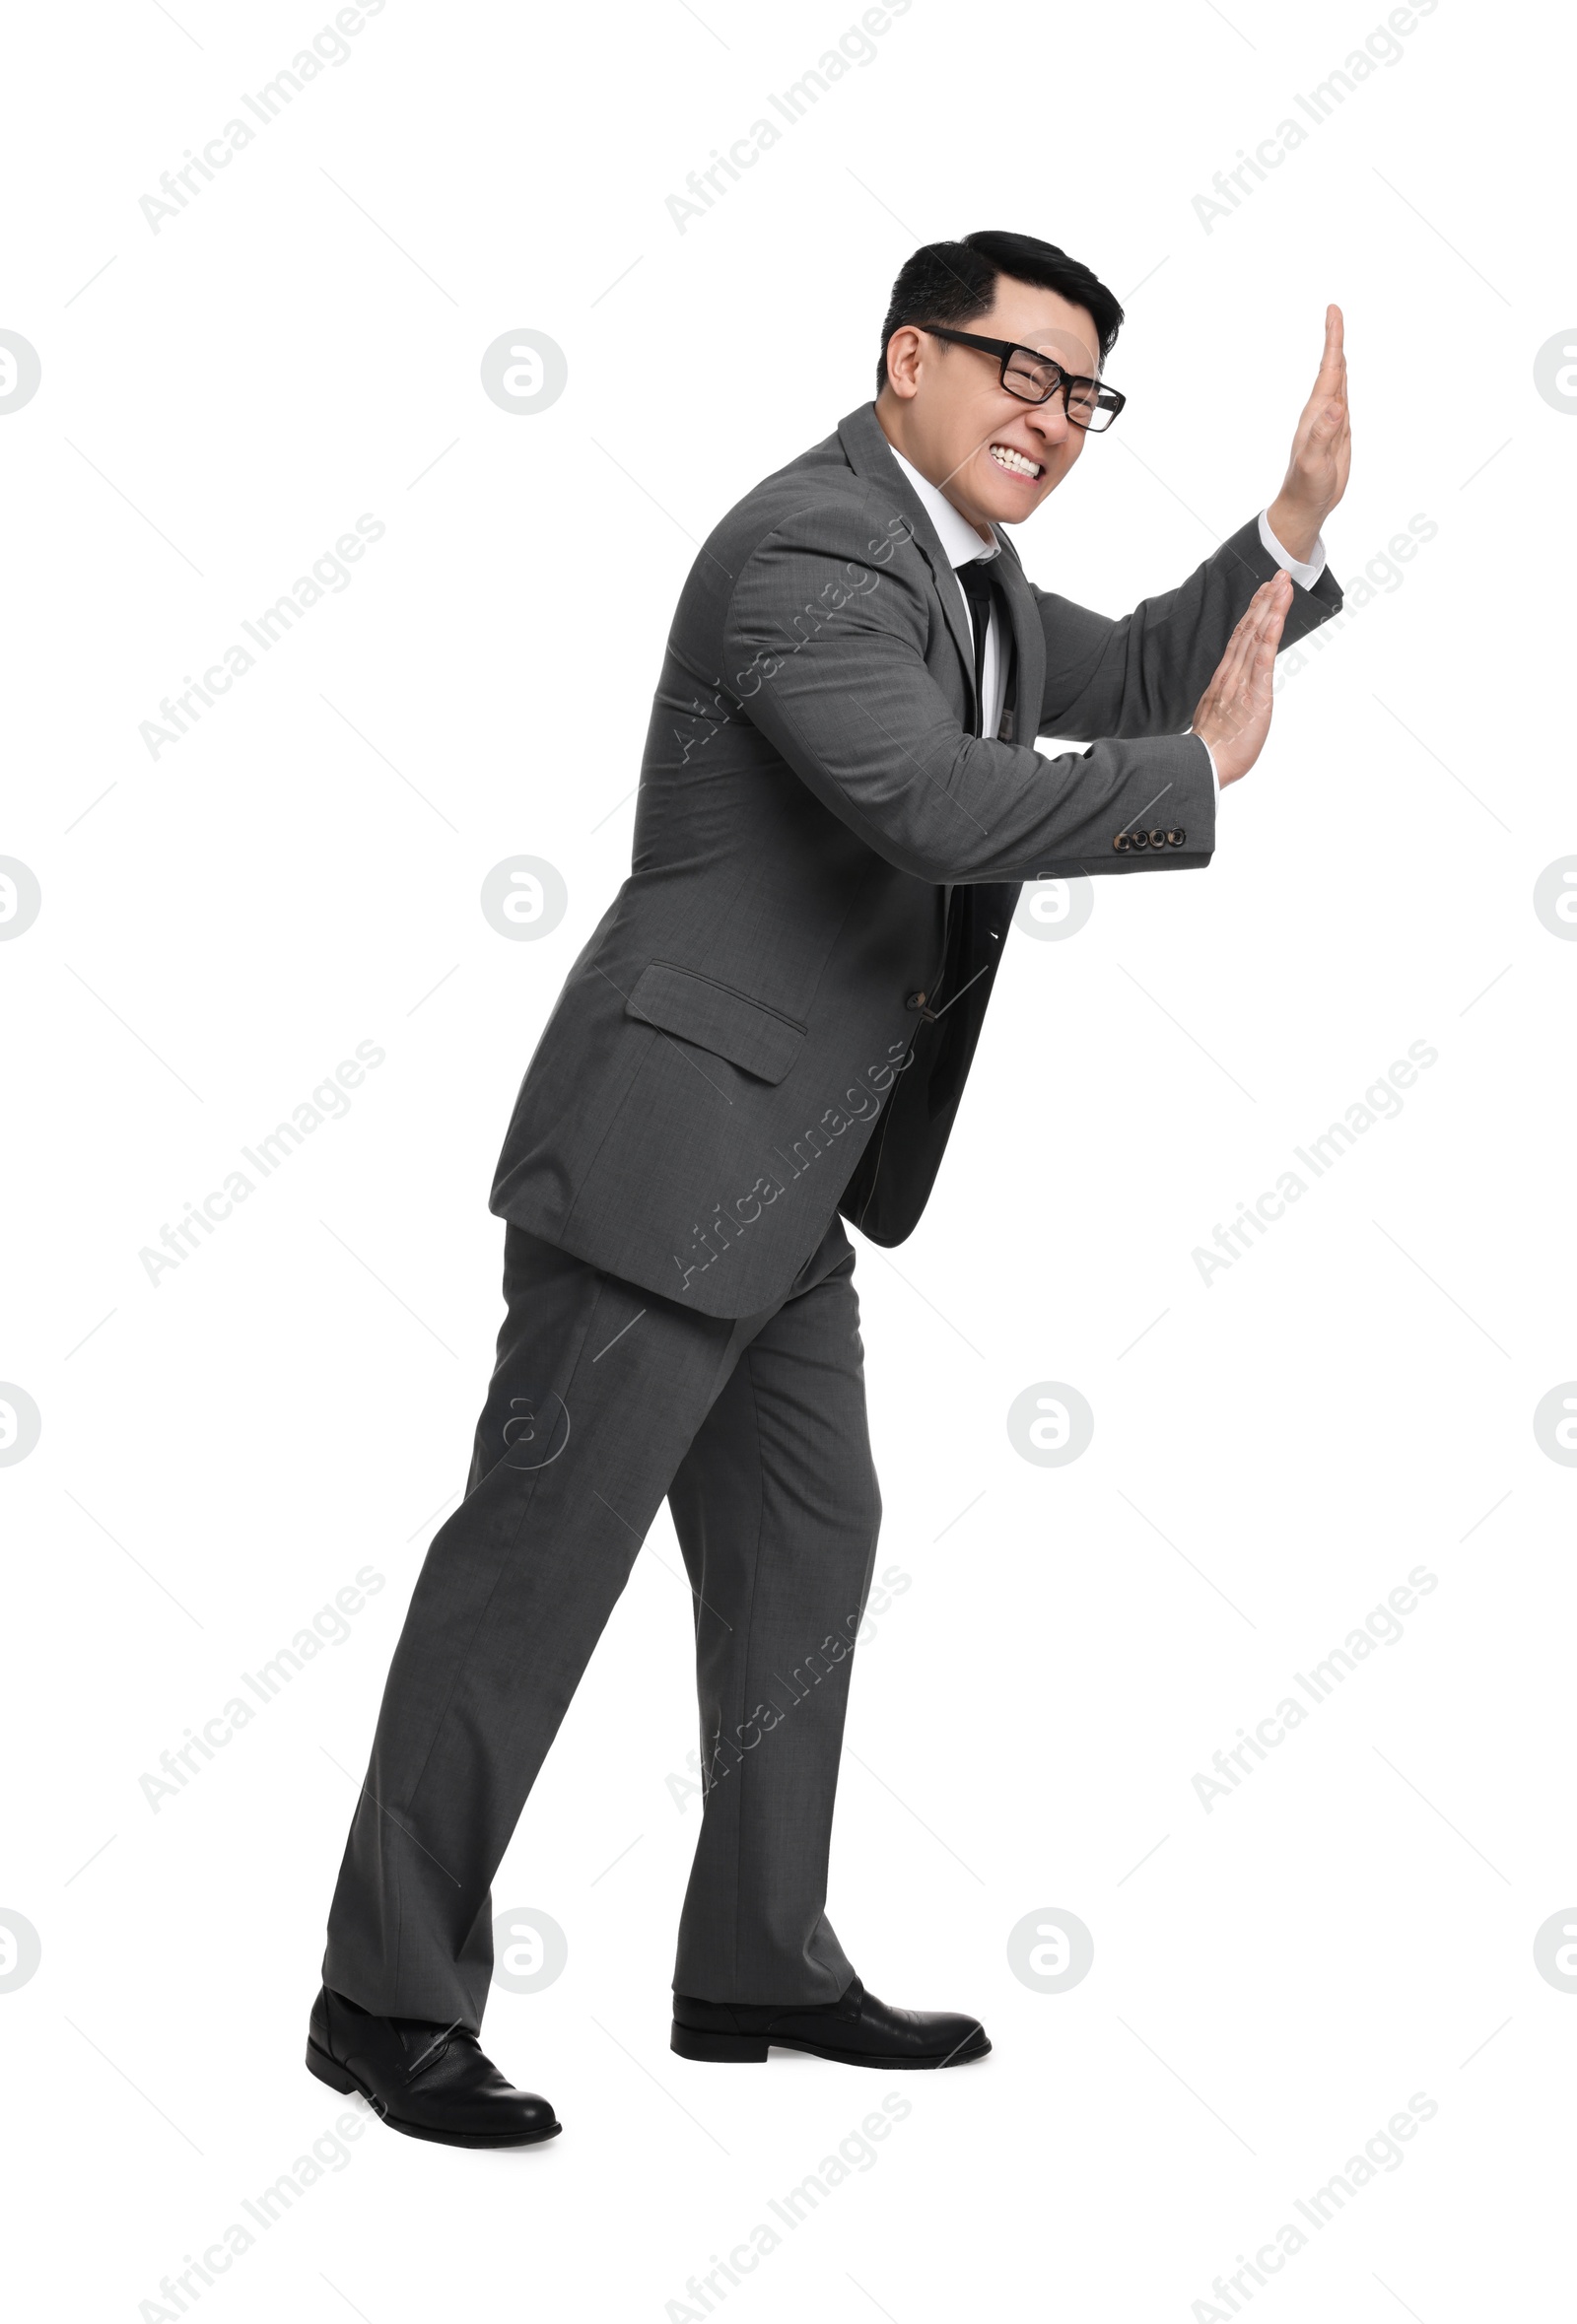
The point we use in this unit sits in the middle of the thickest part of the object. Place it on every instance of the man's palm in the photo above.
(1322, 449)
(1234, 712)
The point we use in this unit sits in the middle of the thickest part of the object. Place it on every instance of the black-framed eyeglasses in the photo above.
(1036, 378)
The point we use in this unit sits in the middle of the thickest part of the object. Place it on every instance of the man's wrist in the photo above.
(1215, 772)
(1295, 529)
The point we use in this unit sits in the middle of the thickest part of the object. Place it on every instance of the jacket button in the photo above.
(916, 1001)
(1121, 843)
(1175, 838)
(1139, 840)
(1158, 839)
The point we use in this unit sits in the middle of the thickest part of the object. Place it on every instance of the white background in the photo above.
(218, 1455)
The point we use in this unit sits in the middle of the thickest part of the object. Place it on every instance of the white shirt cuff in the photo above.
(1305, 574)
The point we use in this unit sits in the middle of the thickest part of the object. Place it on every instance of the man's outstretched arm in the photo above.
(825, 653)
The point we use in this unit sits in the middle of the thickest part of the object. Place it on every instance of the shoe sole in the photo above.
(339, 2077)
(750, 2049)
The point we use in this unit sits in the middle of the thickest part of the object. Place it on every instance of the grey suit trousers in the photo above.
(604, 1399)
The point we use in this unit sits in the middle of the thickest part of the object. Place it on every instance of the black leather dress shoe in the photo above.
(857, 2030)
(429, 2081)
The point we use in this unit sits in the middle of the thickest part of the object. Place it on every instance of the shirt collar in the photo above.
(960, 541)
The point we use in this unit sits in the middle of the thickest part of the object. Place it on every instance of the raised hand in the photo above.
(1322, 451)
(1234, 712)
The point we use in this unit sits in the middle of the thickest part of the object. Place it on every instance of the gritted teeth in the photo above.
(1014, 461)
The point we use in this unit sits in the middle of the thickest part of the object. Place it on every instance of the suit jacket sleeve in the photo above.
(1144, 674)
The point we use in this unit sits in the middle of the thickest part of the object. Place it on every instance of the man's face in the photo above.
(946, 410)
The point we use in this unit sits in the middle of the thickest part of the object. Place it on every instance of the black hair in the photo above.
(955, 283)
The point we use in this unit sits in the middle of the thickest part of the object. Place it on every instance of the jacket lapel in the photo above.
(1021, 718)
(869, 454)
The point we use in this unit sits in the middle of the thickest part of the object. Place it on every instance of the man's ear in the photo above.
(904, 361)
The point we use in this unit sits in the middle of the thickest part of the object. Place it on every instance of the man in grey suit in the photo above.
(769, 1033)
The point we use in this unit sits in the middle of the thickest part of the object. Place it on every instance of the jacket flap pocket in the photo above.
(716, 1017)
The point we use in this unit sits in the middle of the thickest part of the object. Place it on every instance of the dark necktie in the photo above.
(947, 1065)
(975, 580)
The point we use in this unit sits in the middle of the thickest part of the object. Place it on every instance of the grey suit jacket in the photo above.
(775, 1017)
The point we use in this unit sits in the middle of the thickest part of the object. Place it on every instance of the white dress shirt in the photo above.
(963, 545)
